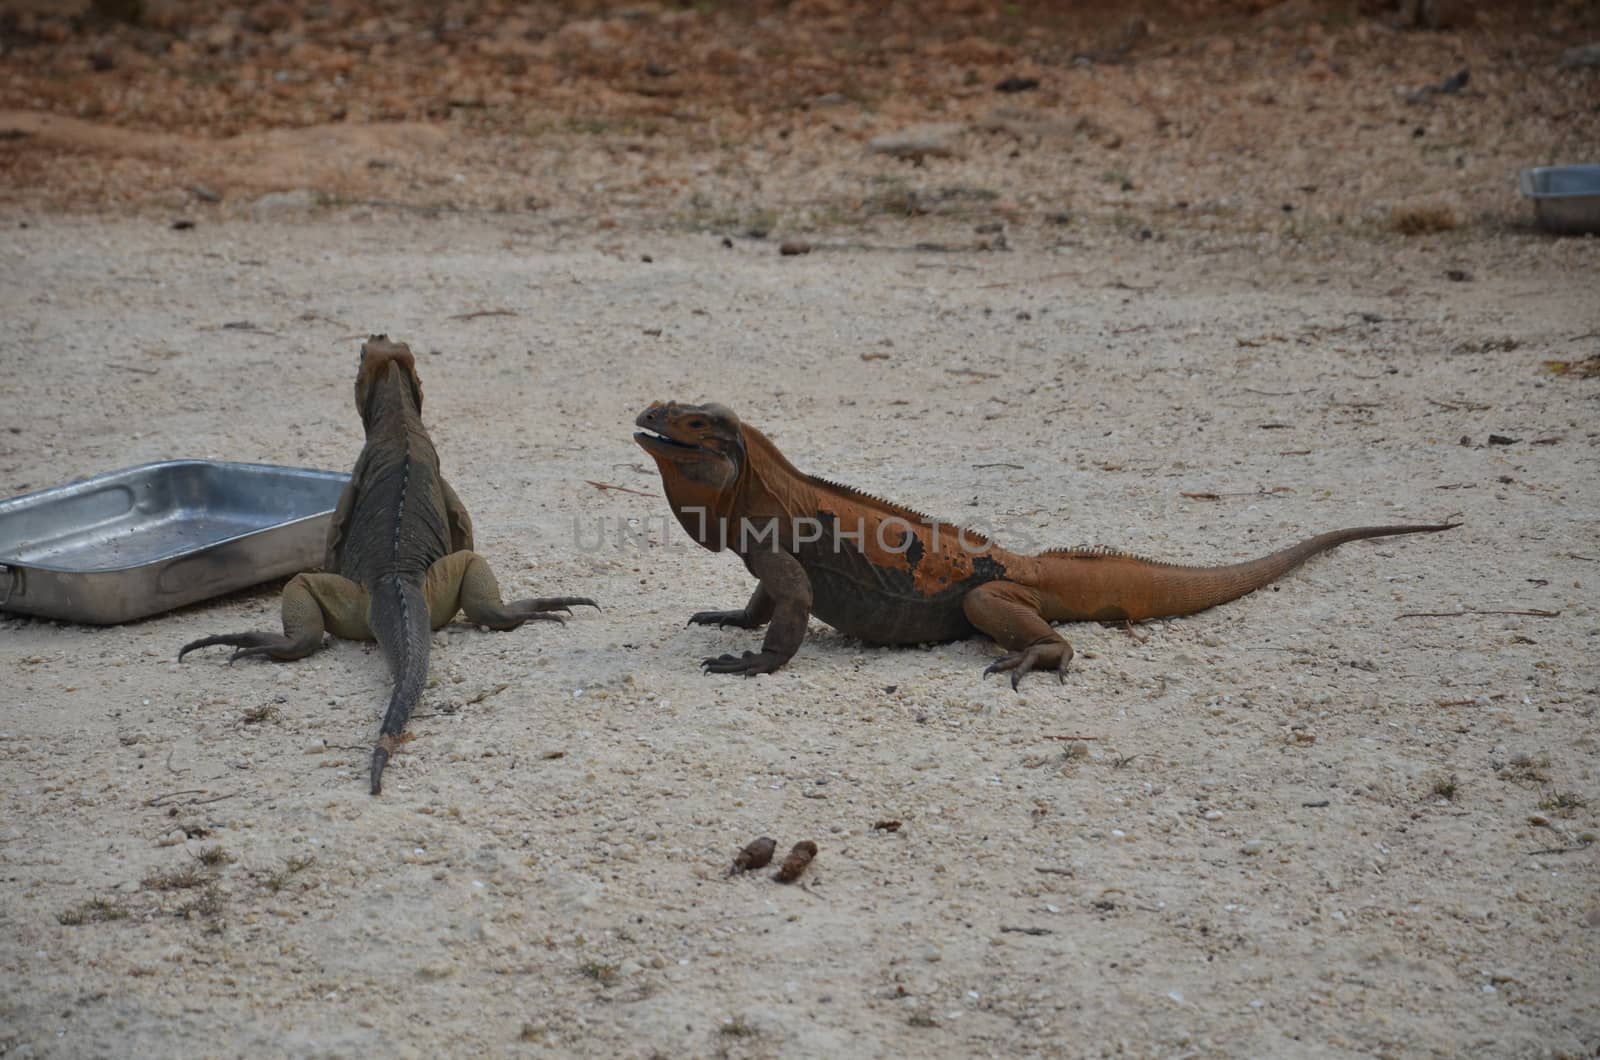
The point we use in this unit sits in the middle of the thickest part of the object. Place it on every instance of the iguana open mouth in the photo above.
(644, 437)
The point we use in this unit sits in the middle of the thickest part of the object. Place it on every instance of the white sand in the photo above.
(1251, 859)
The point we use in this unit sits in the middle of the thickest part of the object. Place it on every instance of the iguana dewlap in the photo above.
(891, 575)
(400, 562)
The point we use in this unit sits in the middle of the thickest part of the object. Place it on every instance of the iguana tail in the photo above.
(400, 625)
(1093, 585)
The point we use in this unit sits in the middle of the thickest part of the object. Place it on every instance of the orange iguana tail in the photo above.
(1106, 586)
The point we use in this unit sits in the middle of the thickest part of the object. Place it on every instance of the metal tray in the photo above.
(1566, 199)
(146, 539)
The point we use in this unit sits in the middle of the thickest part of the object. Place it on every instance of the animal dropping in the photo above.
(757, 854)
(800, 856)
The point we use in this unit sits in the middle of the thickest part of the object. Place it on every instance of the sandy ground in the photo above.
(1301, 824)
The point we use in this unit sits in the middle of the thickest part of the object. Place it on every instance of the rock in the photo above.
(162, 14)
(1017, 84)
(168, 199)
(219, 37)
(596, 34)
(1034, 128)
(1435, 14)
(284, 203)
(1290, 13)
(1584, 56)
(933, 140)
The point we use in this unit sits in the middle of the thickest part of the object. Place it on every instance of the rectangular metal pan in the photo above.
(146, 539)
(1566, 199)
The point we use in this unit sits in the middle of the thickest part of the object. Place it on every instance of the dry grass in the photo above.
(178, 879)
(277, 881)
(94, 911)
(1563, 804)
(601, 972)
(1423, 220)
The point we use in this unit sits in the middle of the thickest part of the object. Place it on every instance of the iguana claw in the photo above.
(274, 645)
(559, 603)
(1021, 663)
(749, 664)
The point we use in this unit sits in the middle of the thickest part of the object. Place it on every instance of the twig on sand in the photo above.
(484, 313)
(1531, 613)
(621, 489)
(158, 799)
(175, 772)
(1029, 279)
(1467, 702)
(485, 694)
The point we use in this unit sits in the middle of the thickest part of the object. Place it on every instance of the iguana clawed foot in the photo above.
(739, 619)
(749, 664)
(275, 645)
(1052, 655)
(544, 609)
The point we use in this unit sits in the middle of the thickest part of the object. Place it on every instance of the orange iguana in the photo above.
(399, 553)
(891, 575)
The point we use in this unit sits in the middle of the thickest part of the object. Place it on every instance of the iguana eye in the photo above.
(697, 425)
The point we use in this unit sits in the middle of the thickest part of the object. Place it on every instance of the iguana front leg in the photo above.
(788, 591)
(456, 517)
(464, 581)
(1010, 614)
(756, 613)
(312, 604)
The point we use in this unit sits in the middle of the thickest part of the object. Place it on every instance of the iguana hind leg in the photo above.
(464, 581)
(788, 588)
(312, 603)
(1010, 614)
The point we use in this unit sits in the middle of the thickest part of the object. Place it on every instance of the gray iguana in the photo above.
(400, 562)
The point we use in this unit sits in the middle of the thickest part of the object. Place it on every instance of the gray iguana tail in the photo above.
(399, 621)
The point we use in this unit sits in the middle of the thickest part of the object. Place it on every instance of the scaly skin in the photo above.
(400, 561)
(891, 575)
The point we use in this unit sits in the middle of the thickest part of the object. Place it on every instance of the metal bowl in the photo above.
(145, 539)
(1566, 199)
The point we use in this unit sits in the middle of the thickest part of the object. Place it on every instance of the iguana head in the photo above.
(381, 359)
(700, 451)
